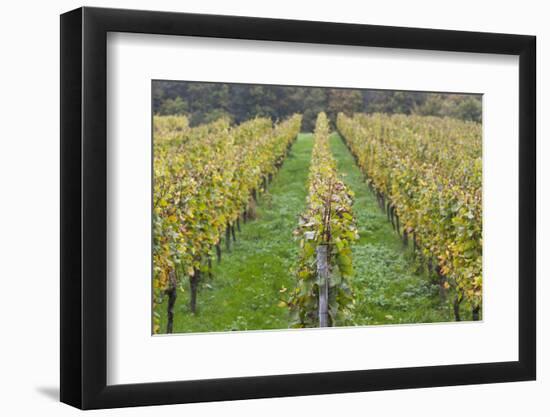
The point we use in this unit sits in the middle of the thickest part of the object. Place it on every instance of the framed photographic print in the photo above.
(257, 207)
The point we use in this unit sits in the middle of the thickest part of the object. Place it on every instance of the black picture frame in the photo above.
(84, 207)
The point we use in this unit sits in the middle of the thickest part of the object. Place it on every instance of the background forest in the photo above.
(206, 102)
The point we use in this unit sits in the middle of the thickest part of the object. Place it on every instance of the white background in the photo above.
(133, 60)
(30, 238)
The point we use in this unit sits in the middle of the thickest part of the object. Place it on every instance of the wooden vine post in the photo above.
(194, 284)
(172, 294)
(323, 280)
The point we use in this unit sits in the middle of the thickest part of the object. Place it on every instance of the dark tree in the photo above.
(205, 102)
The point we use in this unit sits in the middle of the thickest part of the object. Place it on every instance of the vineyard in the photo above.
(426, 174)
(373, 220)
(205, 178)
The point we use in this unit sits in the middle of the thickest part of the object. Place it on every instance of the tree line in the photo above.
(205, 102)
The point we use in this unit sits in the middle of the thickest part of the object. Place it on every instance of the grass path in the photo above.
(388, 290)
(244, 291)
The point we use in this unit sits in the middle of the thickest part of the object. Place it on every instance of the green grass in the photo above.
(244, 291)
(387, 286)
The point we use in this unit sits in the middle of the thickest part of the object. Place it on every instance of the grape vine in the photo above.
(205, 178)
(426, 174)
(328, 221)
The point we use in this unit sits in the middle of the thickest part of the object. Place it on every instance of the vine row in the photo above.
(426, 174)
(205, 179)
(326, 231)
